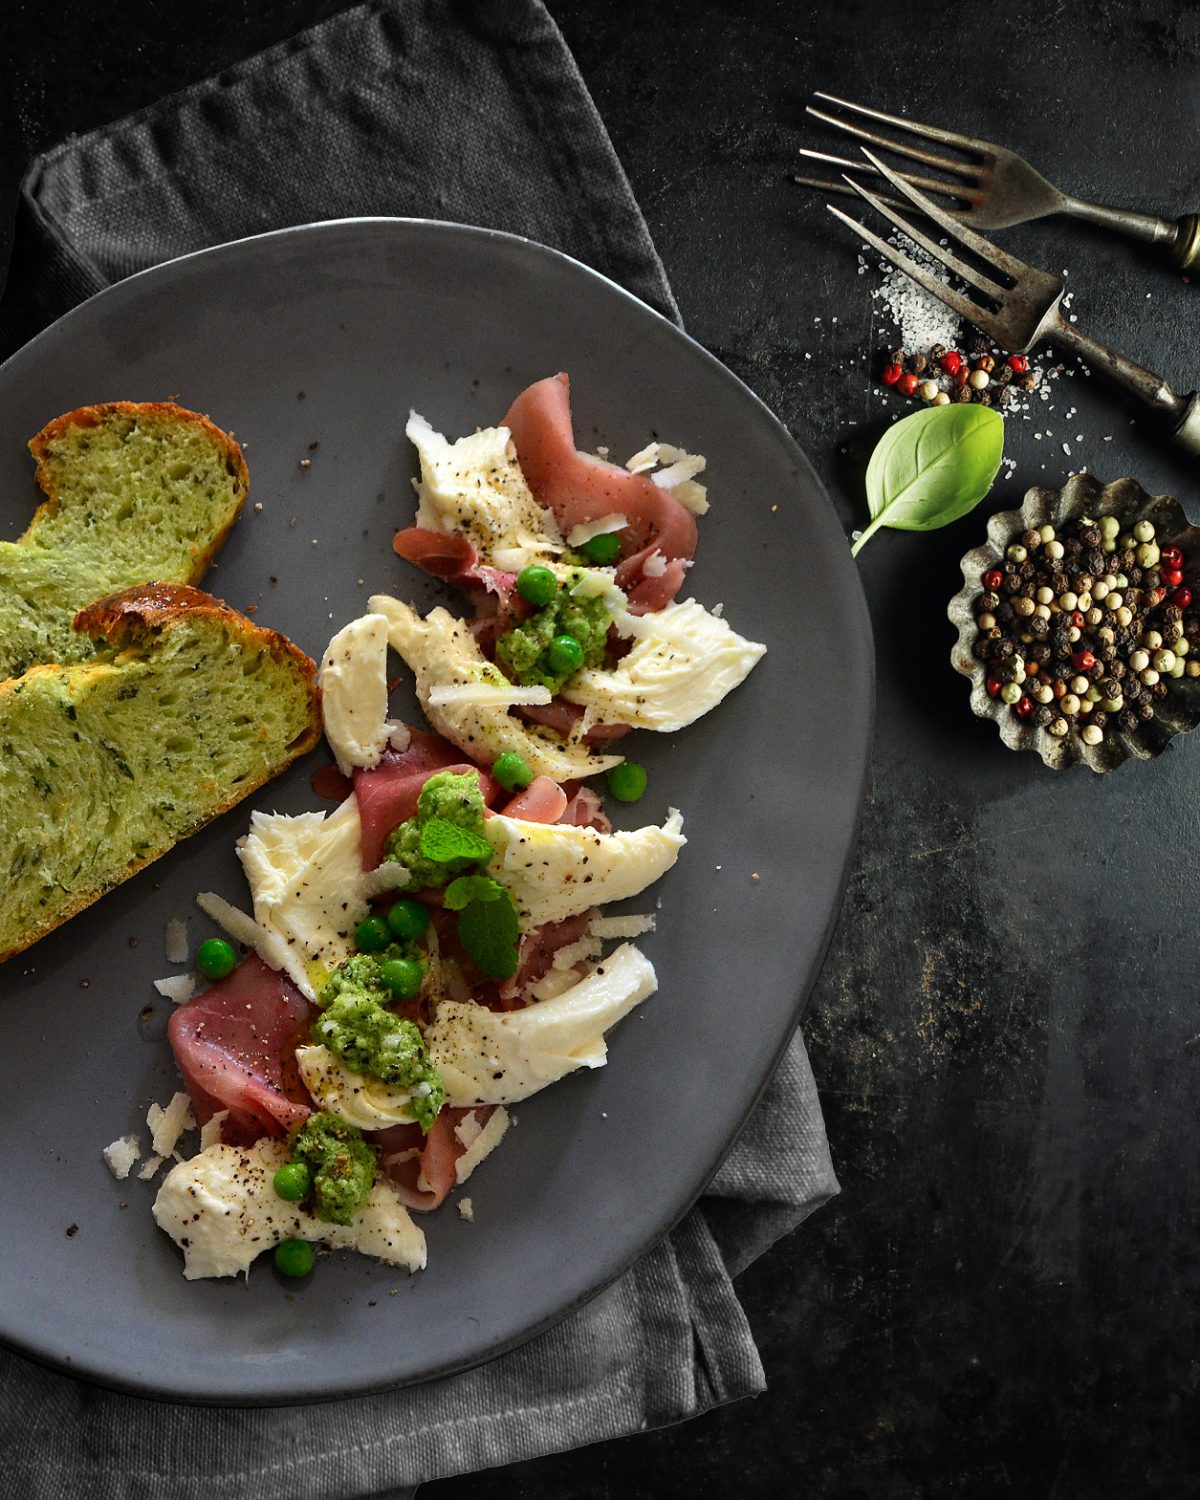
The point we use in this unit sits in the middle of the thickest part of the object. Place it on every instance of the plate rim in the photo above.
(128, 287)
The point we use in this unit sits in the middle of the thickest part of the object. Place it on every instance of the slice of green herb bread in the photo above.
(104, 765)
(134, 493)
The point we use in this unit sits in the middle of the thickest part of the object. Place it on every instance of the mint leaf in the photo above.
(467, 888)
(488, 931)
(444, 841)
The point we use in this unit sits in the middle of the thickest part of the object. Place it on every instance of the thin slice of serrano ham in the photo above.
(452, 558)
(422, 1167)
(580, 488)
(387, 794)
(235, 1046)
(584, 808)
(562, 717)
(542, 801)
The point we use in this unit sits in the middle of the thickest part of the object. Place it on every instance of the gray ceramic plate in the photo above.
(326, 336)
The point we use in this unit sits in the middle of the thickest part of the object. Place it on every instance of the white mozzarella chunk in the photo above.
(367, 1102)
(475, 487)
(441, 652)
(684, 661)
(354, 695)
(222, 1210)
(556, 870)
(309, 887)
(494, 1057)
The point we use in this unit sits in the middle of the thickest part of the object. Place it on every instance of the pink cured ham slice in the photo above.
(387, 794)
(235, 1047)
(649, 593)
(542, 801)
(562, 717)
(452, 558)
(422, 1167)
(579, 488)
(584, 808)
(537, 956)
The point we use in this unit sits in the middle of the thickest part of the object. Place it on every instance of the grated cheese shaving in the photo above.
(175, 941)
(489, 695)
(210, 1131)
(586, 530)
(621, 927)
(483, 1145)
(466, 1210)
(244, 929)
(468, 1130)
(178, 988)
(167, 1125)
(152, 1165)
(121, 1155)
(655, 565)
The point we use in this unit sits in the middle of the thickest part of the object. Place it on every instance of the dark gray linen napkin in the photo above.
(472, 112)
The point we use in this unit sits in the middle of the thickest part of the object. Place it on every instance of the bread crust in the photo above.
(123, 620)
(93, 416)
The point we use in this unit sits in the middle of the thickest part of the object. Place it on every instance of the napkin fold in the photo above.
(474, 112)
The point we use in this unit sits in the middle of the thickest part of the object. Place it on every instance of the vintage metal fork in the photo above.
(1015, 316)
(998, 188)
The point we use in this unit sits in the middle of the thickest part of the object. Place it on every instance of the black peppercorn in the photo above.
(1004, 396)
(1039, 651)
(1031, 540)
(937, 351)
(1131, 686)
(1042, 715)
(1027, 570)
(1172, 613)
(1090, 536)
(983, 398)
(977, 344)
(1003, 375)
(988, 601)
(1151, 578)
(1028, 382)
(1110, 687)
(1093, 561)
(1002, 648)
(1084, 583)
(982, 649)
(917, 363)
(1128, 720)
(1099, 718)
(1059, 582)
(1146, 708)
(963, 394)
(896, 357)
(1039, 629)
(1159, 690)
(1072, 546)
(1134, 575)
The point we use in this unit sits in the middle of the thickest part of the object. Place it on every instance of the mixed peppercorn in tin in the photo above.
(1083, 627)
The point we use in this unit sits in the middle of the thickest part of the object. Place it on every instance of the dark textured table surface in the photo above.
(1004, 1299)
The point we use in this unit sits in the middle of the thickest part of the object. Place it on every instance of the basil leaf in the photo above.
(488, 930)
(932, 467)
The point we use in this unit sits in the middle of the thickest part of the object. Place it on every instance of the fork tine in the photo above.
(953, 299)
(927, 158)
(985, 249)
(932, 184)
(930, 132)
(939, 252)
(971, 311)
(845, 189)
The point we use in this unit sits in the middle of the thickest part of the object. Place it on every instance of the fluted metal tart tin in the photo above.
(1082, 495)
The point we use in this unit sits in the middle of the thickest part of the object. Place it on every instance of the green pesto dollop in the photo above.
(341, 1163)
(371, 1039)
(524, 650)
(456, 798)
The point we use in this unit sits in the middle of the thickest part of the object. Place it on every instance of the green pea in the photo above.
(403, 976)
(603, 550)
(512, 771)
(215, 958)
(565, 654)
(408, 920)
(293, 1181)
(372, 935)
(627, 781)
(293, 1257)
(537, 586)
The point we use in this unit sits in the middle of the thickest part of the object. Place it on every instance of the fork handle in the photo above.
(1178, 239)
(1183, 412)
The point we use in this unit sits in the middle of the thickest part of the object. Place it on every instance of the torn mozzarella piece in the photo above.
(442, 653)
(490, 695)
(354, 695)
(222, 1210)
(494, 1057)
(684, 661)
(475, 488)
(309, 887)
(556, 870)
(367, 1102)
